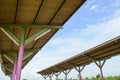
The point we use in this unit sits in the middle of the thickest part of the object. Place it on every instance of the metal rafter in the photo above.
(30, 26)
(15, 51)
(57, 11)
(27, 55)
(1, 62)
(9, 58)
(17, 9)
(8, 68)
(37, 36)
(40, 6)
(11, 35)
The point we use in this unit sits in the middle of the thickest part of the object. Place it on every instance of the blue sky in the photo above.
(94, 23)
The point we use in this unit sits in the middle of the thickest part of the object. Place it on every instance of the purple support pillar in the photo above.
(56, 77)
(45, 76)
(19, 63)
(13, 76)
(50, 77)
(79, 70)
(101, 72)
(66, 72)
(100, 64)
(66, 77)
(57, 74)
(80, 77)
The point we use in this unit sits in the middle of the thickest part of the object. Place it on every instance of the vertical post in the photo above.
(79, 69)
(101, 72)
(50, 76)
(13, 76)
(66, 72)
(57, 74)
(100, 65)
(20, 55)
(45, 76)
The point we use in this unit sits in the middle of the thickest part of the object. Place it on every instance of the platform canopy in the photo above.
(41, 19)
(98, 53)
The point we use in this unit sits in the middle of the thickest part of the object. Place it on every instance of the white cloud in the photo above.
(93, 7)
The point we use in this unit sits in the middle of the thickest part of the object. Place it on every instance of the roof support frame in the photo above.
(27, 55)
(9, 58)
(57, 74)
(99, 63)
(11, 35)
(8, 68)
(30, 26)
(66, 72)
(2, 65)
(44, 76)
(37, 36)
(27, 50)
(50, 76)
(25, 61)
(79, 70)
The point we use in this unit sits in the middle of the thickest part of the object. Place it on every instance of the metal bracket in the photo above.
(97, 62)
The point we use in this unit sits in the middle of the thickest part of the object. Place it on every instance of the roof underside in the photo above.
(98, 53)
(34, 15)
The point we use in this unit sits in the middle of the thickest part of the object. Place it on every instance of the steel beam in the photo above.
(11, 35)
(7, 68)
(2, 65)
(37, 36)
(30, 26)
(27, 55)
(9, 58)
(26, 50)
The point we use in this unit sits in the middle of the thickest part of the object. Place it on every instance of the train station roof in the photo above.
(98, 53)
(41, 19)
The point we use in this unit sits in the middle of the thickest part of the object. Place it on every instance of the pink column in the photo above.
(56, 77)
(102, 77)
(80, 77)
(19, 63)
(14, 72)
(66, 76)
